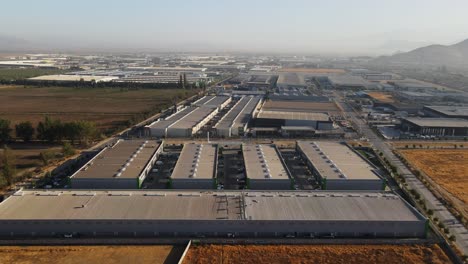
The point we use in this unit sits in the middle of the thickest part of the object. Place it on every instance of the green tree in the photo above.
(68, 150)
(50, 130)
(25, 131)
(185, 81)
(5, 130)
(8, 163)
(46, 156)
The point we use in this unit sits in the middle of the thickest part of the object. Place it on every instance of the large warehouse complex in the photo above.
(447, 111)
(235, 122)
(123, 165)
(194, 213)
(196, 167)
(338, 167)
(435, 126)
(265, 168)
(187, 122)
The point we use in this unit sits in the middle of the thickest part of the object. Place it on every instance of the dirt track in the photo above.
(333, 254)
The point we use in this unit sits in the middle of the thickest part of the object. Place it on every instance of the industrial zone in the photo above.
(266, 152)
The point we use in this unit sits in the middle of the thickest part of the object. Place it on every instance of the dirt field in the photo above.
(382, 97)
(107, 107)
(448, 168)
(430, 144)
(311, 70)
(89, 254)
(349, 254)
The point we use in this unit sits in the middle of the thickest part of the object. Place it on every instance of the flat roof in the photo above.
(262, 162)
(171, 119)
(438, 122)
(293, 115)
(229, 118)
(196, 161)
(246, 114)
(125, 159)
(337, 161)
(74, 78)
(450, 110)
(193, 118)
(291, 78)
(300, 106)
(202, 205)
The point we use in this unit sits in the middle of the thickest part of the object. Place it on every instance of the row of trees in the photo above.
(50, 130)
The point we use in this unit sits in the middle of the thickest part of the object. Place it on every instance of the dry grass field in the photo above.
(89, 254)
(446, 167)
(332, 254)
(107, 107)
(382, 97)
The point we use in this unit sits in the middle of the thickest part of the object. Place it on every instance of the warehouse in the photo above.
(123, 165)
(441, 127)
(318, 121)
(159, 128)
(190, 120)
(190, 124)
(235, 122)
(74, 78)
(447, 111)
(143, 213)
(300, 106)
(265, 168)
(196, 167)
(288, 80)
(338, 167)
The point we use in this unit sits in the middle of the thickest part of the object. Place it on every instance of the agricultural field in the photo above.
(20, 74)
(89, 254)
(349, 254)
(109, 108)
(446, 167)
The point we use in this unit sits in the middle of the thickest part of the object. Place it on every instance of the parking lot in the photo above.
(162, 170)
(303, 177)
(231, 169)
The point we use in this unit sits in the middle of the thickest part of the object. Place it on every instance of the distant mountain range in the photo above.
(453, 55)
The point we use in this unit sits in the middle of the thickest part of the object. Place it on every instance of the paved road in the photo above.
(440, 211)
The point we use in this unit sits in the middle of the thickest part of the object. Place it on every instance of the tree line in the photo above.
(93, 84)
(50, 130)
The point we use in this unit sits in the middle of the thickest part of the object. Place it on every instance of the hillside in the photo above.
(454, 55)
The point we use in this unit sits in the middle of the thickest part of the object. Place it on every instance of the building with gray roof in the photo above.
(196, 167)
(234, 123)
(338, 167)
(446, 111)
(265, 168)
(436, 126)
(144, 213)
(123, 165)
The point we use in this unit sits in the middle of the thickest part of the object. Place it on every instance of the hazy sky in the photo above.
(313, 26)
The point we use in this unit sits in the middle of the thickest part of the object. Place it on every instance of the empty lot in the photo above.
(108, 108)
(89, 254)
(349, 254)
(446, 167)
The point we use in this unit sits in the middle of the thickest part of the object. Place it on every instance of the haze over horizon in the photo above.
(361, 27)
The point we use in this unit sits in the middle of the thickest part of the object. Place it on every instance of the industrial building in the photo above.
(289, 80)
(437, 126)
(196, 167)
(188, 121)
(338, 167)
(318, 121)
(446, 111)
(265, 168)
(73, 78)
(235, 122)
(124, 165)
(144, 213)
